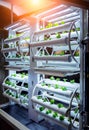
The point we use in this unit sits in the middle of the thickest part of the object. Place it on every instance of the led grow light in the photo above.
(73, 14)
(21, 27)
(51, 10)
(57, 14)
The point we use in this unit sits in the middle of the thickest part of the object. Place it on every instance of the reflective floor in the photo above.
(21, 114)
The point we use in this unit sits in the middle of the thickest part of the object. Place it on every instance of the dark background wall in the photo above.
(5, 19)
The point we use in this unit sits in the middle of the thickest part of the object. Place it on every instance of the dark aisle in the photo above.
(21, 114)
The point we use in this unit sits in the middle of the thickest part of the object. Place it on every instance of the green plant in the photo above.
(41, 108)
(72, 81)
(49, 85)
(45, 100)
(55, 24)
(49, 25)
(48, 111)
(57, 79)
(62, 22)
(78, 29)
(58, 35)
(61, 117)
(56, 86)
(55, 114)
(43, 84)
(62, 53)
(23, 75)
(76, 110)
(39, 97)
(60, 105)
(52, 78)
(64, 80)
(13, 75)
(26, 85)
(52, 101)
(63, 88)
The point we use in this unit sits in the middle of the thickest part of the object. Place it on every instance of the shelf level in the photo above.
(50, 106)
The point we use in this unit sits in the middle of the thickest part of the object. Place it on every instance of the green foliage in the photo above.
(58, 35)
(55, 24)
(76, 110)
(39, 97)
(57, 79)
(72, 81)
(64, 80)
(43, 84)
(56, 86)
(63, 88)
(61, 117)
(55, 114)
(52, 78)
(41, 108)
(48, 111)
(62, 22)
(52, 101)
(60, 105)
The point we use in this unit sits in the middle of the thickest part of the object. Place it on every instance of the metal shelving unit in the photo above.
(55, 51)
(15, 87)
(16, 50)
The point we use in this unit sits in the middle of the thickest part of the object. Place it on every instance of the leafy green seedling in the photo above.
(48, 111)
(45, 100)
(52, 78)
(60, 105)
(39, 97)
(41, 108)
(26, 85)
(49, 85)
(57, 79)
(52, 101)
(58, 35)
(62, 22)
(64, 80)
(78, 29)
(72, 81)
(56, 86)
(43, 84)
(13, 75)
(55, 114)
(61, 118)
(76, 110)
(63, 88)
(55, 24)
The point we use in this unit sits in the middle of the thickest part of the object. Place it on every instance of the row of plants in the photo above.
(56, 86)
(50, 25)
(54, 114)
(12, 93)
(14, 84)
(51, 101)
(21, 75)
(59, 105)
(64, 80)
(55, 35)
(16, 95)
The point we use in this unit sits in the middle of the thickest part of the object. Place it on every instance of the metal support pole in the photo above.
(85, 90)
(87, 77)
(11, 13)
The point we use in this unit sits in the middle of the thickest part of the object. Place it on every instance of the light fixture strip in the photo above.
(49, 11)
(61, 14)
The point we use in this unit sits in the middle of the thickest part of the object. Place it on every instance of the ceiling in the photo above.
(22, 7)
(16, 9)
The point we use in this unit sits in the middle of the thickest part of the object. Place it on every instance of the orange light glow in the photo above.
(35, 1)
